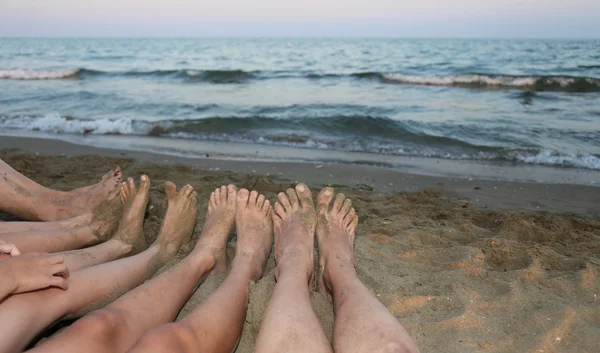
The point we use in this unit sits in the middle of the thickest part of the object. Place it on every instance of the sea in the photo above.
(385, 102)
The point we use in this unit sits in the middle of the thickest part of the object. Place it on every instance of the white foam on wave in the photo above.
(58, 124)
(483, 80)
(36, 75)
(567, 160)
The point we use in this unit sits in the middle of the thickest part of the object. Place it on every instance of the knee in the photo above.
(101, 326)
(173, 337)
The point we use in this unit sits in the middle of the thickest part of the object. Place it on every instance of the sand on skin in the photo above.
(460, 279)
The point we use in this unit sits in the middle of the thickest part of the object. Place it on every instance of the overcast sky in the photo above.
(269, 18)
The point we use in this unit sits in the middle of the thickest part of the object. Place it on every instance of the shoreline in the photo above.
(493, 194)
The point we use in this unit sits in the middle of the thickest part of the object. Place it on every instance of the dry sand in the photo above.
(460, 277)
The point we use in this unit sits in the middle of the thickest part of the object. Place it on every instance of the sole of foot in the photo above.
(294, 222)
(135, 200)
(178, 224)
(106, 216)
(79, 201)
(218, 224)
(254, 232)
(336, 228)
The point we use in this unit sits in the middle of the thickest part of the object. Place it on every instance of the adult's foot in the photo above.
(106, 216)
(254, 232)
(218, 225)
(65, 205)
(179, 222)
(335, 232)
(294, 222)
(135, 200)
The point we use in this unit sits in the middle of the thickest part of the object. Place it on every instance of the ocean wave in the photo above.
(38, 75)
(343, 133)
(473, 81)
(534, 83)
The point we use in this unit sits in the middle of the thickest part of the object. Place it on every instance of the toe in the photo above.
(253, 197)
(279, 210)
(351, 228)
(186, 190)
(324, 199)
(213, 201)
(223, 193)
(285, 202)
(349, 217)
(293, 197)
(194, 198)
(260, 201)
(217, 193)
(117, 171)
(144, 183)
(305, 196)
(231, 193)
(346, 207)
(338, 203)
(131, 185)
(242, 198)
(267, 207)
(170, 189)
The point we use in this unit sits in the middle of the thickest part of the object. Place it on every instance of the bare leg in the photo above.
(18, 196)
(106, 218)
(117, 327)
(19, 227)
(216, 325)
(290, 324)
(362, 323)
(80, 197)
(23, 316)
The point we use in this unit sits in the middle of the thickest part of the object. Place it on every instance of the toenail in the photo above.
(300, 187)
(144, 178)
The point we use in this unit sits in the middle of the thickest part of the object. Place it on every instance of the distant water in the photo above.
(526, 101)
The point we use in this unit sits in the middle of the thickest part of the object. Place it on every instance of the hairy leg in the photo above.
(216, 325)
(117, 327)
(290, 324)
(23, 316)
(105, 221)
(362, 323)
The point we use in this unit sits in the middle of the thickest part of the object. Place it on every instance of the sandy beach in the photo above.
(466, 265)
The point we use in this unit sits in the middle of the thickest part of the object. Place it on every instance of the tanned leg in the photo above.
(23, 316)
(19, 227)
(362, 323)
(118, 326)
(290, 324)
(216, 325)
(103, 225)
(84, 197)
(19, 200)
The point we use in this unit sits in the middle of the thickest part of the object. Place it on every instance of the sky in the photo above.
(301, 18)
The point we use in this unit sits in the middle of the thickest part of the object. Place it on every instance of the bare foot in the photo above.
(135, 201)
(218, 225)
(179, 221)
(335, 235)
(106, 216)
(294, 222)
(79, 201)
(254, 232)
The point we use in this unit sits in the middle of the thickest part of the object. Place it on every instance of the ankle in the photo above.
(294, 266)
(337, 272)
(248, 264)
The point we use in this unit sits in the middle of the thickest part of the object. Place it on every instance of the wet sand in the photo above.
(465, 265)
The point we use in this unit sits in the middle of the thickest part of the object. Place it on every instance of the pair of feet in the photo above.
(227, 207)
(297, 222)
